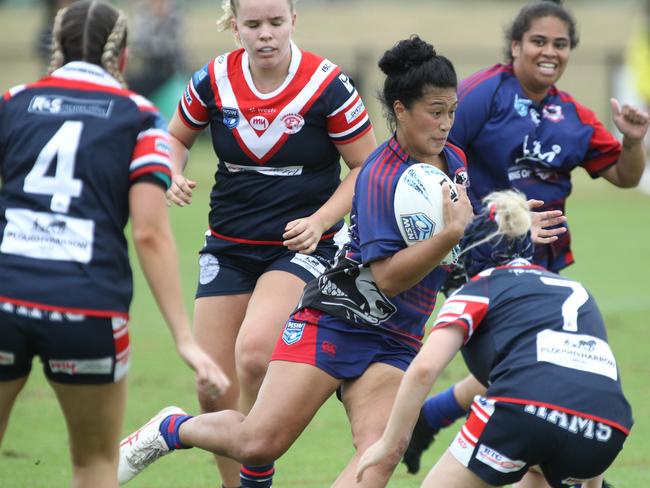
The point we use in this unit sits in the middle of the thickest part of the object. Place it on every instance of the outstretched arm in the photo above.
(434, 357)
(156, 249)
(633, 124)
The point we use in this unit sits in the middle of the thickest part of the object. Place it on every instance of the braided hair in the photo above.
(90, 31)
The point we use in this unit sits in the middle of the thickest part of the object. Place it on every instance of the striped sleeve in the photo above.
(192, 106)
(151, 157)
(348, 119)
(462, 309)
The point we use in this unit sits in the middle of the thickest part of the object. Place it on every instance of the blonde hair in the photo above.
(230, 13)
(94, 32)
(509, 210)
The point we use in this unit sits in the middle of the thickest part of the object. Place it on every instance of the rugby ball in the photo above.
(418, 205)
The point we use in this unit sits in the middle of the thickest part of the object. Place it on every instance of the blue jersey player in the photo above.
(79, 155)
(554, 411)
(360, 324)
(280, 119)
(520, 131)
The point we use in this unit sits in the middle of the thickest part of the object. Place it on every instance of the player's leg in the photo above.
(277, 292)
(368, 401)
(438, 411)
(94, 415)
(8, 392)
(449, 473)
(217, 320)
(290, 396)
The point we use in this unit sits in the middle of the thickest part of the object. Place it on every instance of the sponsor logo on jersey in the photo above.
(498, 461)
(208, 268)
(309, 263)
(293, 123)
(521, 105)
(576, 351)
(328, 348)
(230, 117)
(326, 67)
(188, 96)
(259, 122)
(417, 227)
(162, 146)
(262, 110)
(346, 82)
(44, 235)
(553, 113)
(81, 366)
(355, 111)
(532, 151)
(202, 73)
(7, 358)
(293, 331)
(67, 106)
(265, 170)
(590, 429)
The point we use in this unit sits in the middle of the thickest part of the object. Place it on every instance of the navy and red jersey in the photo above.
(534, 337)
(278, 157)
(347, 291)
(71, 145)
(512, 141)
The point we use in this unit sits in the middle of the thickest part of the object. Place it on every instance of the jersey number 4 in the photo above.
(62, 148)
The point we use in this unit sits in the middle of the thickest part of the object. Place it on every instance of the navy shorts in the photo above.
(234, 269)
(500, 441)
(341, 350)
(74, 349)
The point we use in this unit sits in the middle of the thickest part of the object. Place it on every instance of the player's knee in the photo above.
(259, 451)
(226, 401)
(252, 362)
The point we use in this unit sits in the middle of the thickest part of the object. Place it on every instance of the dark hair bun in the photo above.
(406, 54)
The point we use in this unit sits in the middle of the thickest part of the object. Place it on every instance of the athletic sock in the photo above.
(257, 476)
(169, 430)
(442, 409)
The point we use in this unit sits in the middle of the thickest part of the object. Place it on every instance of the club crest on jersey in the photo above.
(293, 123)
(293, 332)
(553, 113)
(522, 105)
(230, 117)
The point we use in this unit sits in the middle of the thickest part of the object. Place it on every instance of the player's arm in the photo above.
(181, 140)
(416, 384)
(156, 248)
(304, 234)
(407, 267)
(633, 124)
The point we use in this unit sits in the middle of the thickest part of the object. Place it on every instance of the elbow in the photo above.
(147, 236)
(388, 287)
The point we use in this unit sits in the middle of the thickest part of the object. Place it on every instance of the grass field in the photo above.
(611, 235)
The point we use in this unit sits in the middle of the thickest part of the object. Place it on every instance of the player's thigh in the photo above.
(368, 401)
(94, 415)
(217, 321)
(449, 473)
(275, 296)
(289, 397)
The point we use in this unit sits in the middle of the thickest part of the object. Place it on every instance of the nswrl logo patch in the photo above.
(418, 227)
(293, 332)
(230, 117)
